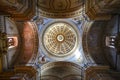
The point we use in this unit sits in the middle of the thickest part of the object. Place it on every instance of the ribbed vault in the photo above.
(60, 39)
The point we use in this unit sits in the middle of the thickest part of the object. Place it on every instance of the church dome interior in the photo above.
(59, 40)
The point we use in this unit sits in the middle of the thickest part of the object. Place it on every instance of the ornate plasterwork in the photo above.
(96, 72)
(60, 39)
(61, 70)
(101, 9)
(94, 10)
(18, 9)
(60, 8)
(61, 15)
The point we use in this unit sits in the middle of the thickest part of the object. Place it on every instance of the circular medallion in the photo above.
(60, 39)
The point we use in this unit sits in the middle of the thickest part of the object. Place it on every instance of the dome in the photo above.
(56, 8)
(60, 39)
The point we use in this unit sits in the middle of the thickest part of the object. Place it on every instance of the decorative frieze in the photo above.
(60, 8)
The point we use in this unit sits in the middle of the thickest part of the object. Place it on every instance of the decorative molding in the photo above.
(61, 15)
(102, 9)
(60, 8)
(59, 63)
(86, 28)
(36, 43)
(6, 75)
(94, 11)
(3, 36)
(27, 72)
(61, 70)
(29, 50)
(94, 72)
(24, 10)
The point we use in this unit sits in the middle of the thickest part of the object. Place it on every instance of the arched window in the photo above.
(12, 42)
